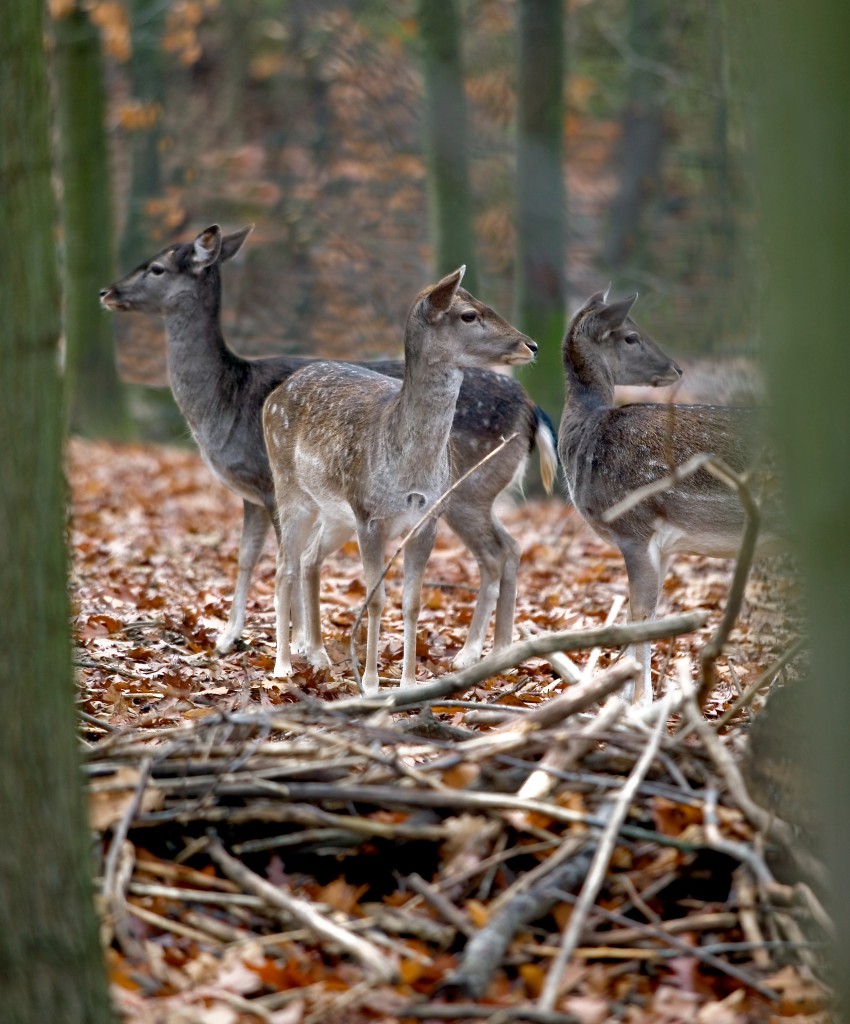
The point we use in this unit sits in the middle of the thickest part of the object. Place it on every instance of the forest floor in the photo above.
(272, 852)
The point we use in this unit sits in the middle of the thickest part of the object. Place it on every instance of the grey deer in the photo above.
(221, 396)
(352, 450)
(608, 452)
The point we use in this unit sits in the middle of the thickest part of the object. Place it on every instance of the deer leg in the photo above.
(293, 535)
(497, 556)
(372, 543)
(643, 566)
(416, 554)
(325, 539)
(256, 521)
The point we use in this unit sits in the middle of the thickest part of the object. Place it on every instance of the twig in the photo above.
(165, 924)
(766, 822)
(447, 910)
(558, 759)
(738, 851)
(305, 913)
(676, 476)
(681, 948)
(432, 508)
(173, 892)
(763, 679)
(495, 1014)
(120, 834)
(711, 651)
(747, 912)
(601, 860)
(485, 950)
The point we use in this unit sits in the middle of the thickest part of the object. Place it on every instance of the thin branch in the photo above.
(665, 483)
(509, 657)
(601, 860)
(711, 651)
(763, 679)
(305, 913)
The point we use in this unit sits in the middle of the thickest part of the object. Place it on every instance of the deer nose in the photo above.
(103, 292)
(532, 345)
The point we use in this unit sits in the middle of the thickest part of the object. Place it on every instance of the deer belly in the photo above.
(670, 539)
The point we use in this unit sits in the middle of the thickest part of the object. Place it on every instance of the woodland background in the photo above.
(696, 151)
(552, 148)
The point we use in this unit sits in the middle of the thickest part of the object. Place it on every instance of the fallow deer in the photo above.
(354, 451)
(608, 452)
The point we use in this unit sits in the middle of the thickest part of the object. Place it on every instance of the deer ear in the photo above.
(207, 246)
(614, 316)
(599, 298)
(232, 243)
(439, 297)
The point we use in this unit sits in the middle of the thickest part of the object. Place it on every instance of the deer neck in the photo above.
(421, 417)
(589, 383)
(198, 360)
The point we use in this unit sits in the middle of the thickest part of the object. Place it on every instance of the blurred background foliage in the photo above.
(378, 143)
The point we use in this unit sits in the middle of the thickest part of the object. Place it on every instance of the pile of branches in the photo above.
(460, 858)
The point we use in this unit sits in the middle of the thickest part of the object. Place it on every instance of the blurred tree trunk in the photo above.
(445, 142)
(96, 400)
(51, 966)
(642, 134)
(803, 167)
(541, 195)
(146, 76)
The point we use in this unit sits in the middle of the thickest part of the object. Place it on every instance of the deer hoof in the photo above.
(369, 683)
(282, 668)
(225, 643)
(319, 659)
(464, 658)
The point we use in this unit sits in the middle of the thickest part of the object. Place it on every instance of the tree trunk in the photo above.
(51, 967)
(445, 142)
(541, 196)
(642, 140)
(146, 75)
(96, 400)
(803, 168)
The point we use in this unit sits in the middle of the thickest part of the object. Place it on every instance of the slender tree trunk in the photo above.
(445, 143)
(51, 967)
(803, 168)
(96, 400)
(146, 75)
(541, 195)
(642, 140)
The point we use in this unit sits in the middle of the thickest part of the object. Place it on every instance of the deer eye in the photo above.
(469, 317)
(631, 339)
(156, 269)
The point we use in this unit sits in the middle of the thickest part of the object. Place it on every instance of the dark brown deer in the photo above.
(221, 395)
(352, 450)
(609, 452)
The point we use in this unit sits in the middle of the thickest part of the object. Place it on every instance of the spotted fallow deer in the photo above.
(354, 451)
(608, 452)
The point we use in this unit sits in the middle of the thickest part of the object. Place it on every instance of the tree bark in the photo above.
(96, 399)
(541, 196)
(51, 967)
(445, 141)
(803, 167)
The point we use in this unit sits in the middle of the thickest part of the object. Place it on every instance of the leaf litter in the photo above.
(276, 850)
